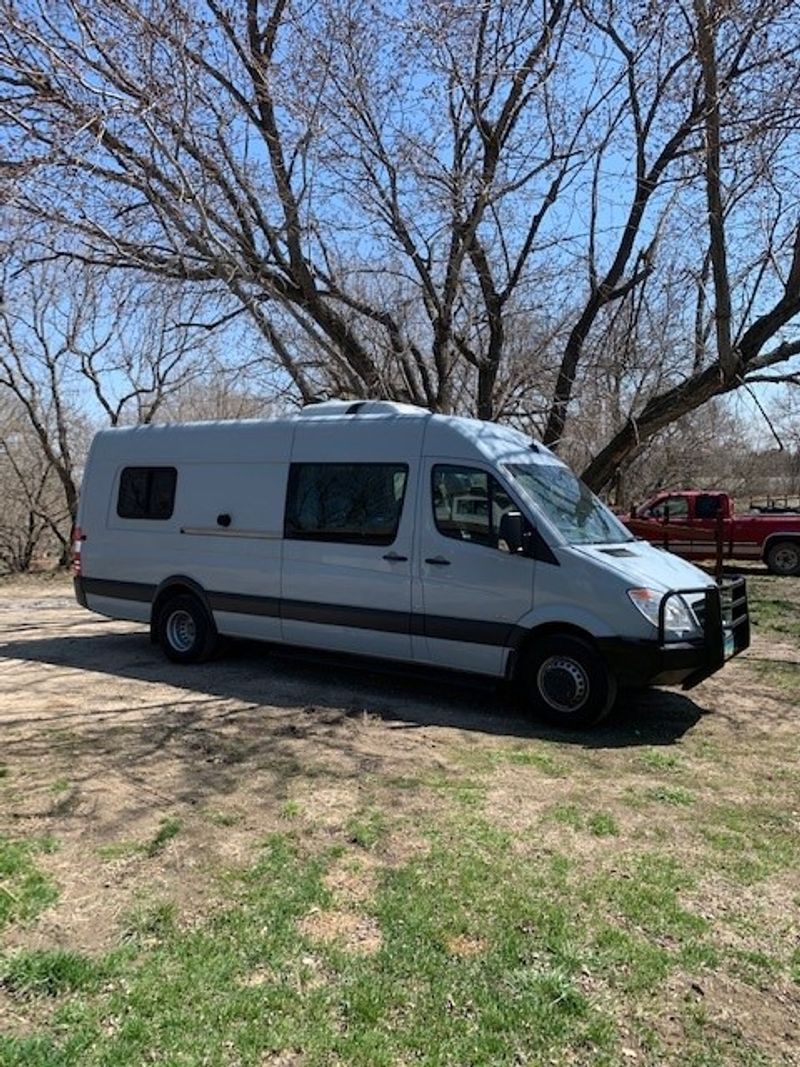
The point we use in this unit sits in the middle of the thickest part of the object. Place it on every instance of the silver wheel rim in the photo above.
(785, 559)
(563, 683)
(181, 630)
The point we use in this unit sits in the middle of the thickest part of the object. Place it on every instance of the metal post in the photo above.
(720, 534)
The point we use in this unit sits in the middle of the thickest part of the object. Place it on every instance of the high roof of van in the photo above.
(370, 429)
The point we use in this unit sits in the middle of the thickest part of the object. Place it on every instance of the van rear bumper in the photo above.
(726, 632)
(80, 591)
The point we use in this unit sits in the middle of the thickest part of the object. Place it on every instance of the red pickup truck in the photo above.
(692, 523)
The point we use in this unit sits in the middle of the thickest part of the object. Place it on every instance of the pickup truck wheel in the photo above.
(567, 682)
(185, 631)
(784, 558)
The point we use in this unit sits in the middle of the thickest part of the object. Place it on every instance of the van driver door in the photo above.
(472, 591)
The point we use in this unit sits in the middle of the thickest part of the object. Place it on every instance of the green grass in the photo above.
(783, 676)
(486, 758)
(672, 795)
(120, 850)
(413, 1000)
(752, 841)
(772, 615)
(603, 824)
(541, 761)
(48, 973)
(247, 983)
(483, 957)
(656, 760)
(367, 828)
(568, 815)
(149, 922)
(24, 890)
(168, 829)
(224, 818)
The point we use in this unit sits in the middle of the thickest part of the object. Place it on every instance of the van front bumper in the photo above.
(724, 618)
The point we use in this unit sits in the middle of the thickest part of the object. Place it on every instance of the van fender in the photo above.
(177, 583)
(568, 617)
(554, 618)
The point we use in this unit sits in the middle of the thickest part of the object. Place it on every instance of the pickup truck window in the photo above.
(707, 506)
(678, 509)
(570, 505)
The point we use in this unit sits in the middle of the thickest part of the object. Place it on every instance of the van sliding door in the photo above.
(346, 581)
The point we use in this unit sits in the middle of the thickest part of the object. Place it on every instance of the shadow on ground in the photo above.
(330, 689)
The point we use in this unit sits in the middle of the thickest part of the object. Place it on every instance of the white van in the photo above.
(380, 529)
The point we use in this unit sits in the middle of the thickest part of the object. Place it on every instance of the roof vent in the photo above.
(360, 407)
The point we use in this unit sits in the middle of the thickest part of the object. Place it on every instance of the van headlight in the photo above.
(679, 619)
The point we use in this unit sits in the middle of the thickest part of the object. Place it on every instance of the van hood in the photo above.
(645, 566)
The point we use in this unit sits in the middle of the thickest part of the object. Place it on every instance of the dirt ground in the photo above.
(103, 740)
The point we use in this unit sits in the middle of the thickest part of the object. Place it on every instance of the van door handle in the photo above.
(395, 557)
(438, 561)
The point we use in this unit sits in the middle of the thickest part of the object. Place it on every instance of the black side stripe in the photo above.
(244, 604)
(472, 631)
(139, 591)
(394, 622)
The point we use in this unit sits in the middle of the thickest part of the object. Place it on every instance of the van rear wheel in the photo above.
(185, 631)
(566, 681)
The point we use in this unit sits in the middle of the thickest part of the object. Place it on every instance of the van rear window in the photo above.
(146, 492)
(358, 503)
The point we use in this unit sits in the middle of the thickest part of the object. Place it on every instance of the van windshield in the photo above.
(571, 507)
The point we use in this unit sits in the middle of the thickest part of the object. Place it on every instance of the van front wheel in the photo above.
(567, 682)
(185, 631)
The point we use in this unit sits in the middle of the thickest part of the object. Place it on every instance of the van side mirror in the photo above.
(514, 531)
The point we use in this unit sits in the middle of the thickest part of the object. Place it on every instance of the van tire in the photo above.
(185, 630)
(566, 681)
(783, 557)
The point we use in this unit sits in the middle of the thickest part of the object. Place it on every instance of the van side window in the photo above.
(146, 492)
(357, 503)
(468, 504)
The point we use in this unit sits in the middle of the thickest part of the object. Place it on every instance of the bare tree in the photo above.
(396, 196)
(33, 516)
(755, 118)
(78, 352)
(280, 154)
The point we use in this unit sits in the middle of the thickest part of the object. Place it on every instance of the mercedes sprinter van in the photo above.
(383, 530)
